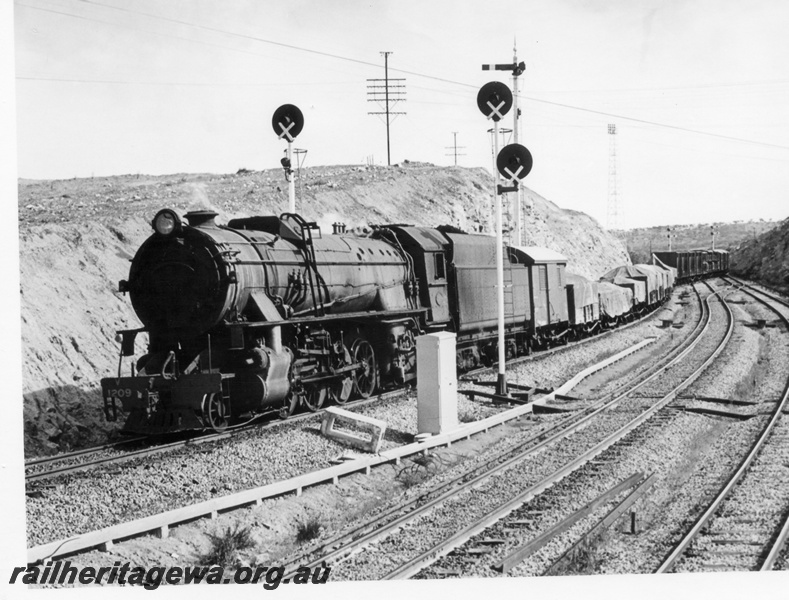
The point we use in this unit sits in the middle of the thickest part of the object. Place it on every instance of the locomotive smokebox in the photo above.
(201, 218)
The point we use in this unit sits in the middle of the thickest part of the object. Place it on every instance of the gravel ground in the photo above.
(654, 450)
(464, 509)
(92, 500)
(738, 537)
(720, 445)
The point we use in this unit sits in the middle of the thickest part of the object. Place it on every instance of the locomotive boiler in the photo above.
(262, 314)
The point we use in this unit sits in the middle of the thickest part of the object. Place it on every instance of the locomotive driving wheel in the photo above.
(314, 397)
(364, 379)
(341, 389)
(215, 412)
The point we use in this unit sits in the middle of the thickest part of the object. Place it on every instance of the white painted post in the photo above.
(292, 180)
(501, 383)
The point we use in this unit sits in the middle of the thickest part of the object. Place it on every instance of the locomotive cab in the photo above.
(427, 249)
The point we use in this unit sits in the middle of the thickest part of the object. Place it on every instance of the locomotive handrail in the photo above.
(389, 236)
(169, 359)
(305, 230)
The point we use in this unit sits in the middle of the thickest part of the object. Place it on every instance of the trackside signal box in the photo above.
(437, 384)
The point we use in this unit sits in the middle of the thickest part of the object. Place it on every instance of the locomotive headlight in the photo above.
(166, 222)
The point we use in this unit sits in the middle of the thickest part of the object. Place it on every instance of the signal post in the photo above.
(513, 162)
(287, 122)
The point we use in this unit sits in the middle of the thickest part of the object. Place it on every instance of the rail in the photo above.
(161, 523)
(680, 548)
(416, 564)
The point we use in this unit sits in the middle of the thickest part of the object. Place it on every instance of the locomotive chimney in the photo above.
(201, 218)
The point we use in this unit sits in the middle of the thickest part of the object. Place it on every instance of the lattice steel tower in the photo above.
(614, 214)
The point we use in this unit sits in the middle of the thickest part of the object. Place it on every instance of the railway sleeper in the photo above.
(720, 413)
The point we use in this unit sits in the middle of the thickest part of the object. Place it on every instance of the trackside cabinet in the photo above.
(437, 402)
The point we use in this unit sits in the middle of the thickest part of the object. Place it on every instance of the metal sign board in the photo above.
(517, 69)
(494, 100)
(287, 121)
(514, 161)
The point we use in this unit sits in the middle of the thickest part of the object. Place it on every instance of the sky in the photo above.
(698, 91)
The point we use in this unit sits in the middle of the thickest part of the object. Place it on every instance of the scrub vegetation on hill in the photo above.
(765, 259)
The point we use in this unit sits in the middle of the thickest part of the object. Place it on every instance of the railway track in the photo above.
(458, 495)
(105, 455)
(577, 472)
(746, 524)
(110, 527)
(541, 354)
(108, 455)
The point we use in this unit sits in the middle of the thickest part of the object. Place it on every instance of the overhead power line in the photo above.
(171, 83)
(655, 123)
(367, 63)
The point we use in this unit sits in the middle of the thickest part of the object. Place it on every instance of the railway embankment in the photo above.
(77, 236)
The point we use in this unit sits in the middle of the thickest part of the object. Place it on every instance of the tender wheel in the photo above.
(215, 412)
(314, 397)
(365, 379)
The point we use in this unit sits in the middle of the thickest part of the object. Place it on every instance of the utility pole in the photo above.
(613, 220)
(389, 94)
(455, 148)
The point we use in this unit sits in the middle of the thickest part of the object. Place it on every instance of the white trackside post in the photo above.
(501, 383)
(517, 209)
(292, 179)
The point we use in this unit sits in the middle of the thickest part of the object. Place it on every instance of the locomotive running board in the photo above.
(361, 315)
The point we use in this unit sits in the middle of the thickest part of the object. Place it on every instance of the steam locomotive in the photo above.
(268, 314)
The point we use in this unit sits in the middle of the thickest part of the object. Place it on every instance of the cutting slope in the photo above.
(766, 258)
